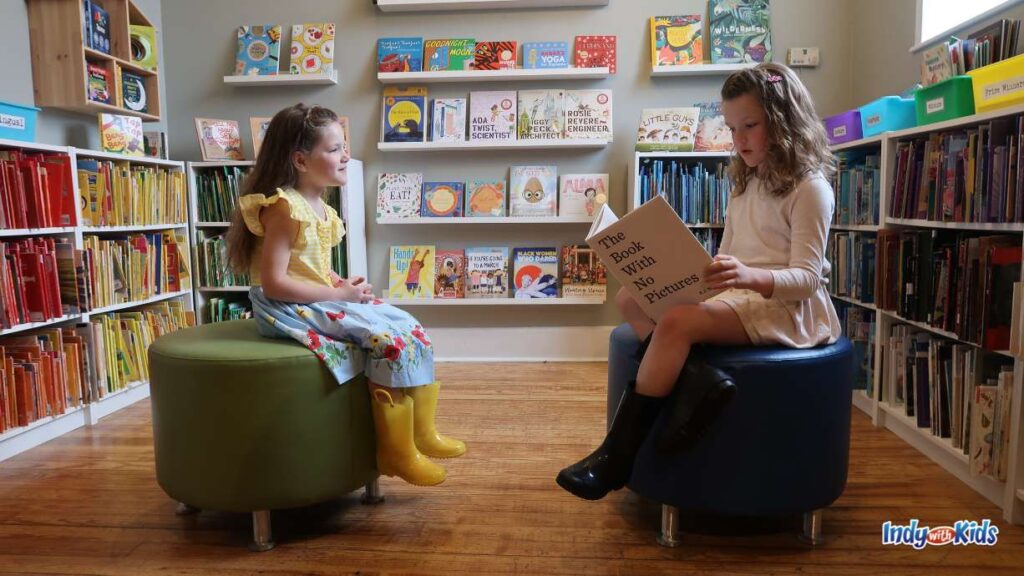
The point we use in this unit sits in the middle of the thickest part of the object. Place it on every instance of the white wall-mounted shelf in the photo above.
(284, 79)
(450, 5)
(675, 154)
(493, 301)
(519, 74)
(698, 69)
(483, 145)
(487, 220)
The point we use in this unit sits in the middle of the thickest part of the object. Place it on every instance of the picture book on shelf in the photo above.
(677, 40)
(492, 116)
(399, 54)
(545, 55)
(143, 46)
(936, 64)
(535, 273)
(449, 54)
(495, 56)
(541, 114)
(448, 120)
(312, 48)
(99, 26)
(487, 272)
(411, 272)
(442, 199)
(121, 134)
(667, 129)
(450, 274)
(596, 52)
(485, 198)
(259, 50)
(534, 191)
(583, 273)
(219, 139)
(404, 113)
(133, 92)
(398, 195)
(712, 133)
(653, 255)
(258, 129)
(99, 83)
(155, 143)
(588, 114)
(740, 31)
(582, 195)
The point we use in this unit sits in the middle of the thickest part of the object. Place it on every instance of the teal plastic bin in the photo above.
(18, 122)
(887, 114)
(946, 100)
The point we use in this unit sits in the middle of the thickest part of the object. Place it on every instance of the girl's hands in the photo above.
(354, 289)
(728, 272)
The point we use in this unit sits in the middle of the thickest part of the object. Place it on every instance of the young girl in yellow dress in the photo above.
(282, 234)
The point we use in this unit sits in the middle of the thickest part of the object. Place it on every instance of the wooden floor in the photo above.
(87, 503)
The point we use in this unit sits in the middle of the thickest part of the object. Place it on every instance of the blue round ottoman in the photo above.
(781, 448)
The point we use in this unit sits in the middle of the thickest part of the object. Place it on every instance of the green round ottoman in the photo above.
(243, 423)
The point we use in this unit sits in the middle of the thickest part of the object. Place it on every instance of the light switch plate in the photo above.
(802, 57)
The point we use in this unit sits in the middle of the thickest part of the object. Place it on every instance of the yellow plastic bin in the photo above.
(999, 85)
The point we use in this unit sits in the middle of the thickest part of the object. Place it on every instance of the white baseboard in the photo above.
(521, 344)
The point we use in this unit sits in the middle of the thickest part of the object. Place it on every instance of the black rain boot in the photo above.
(702, 394)
(610, 466)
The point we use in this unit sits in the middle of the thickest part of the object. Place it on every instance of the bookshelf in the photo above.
(589, 143)
(60, 58)
(1006, 495)
(465, 5)
(698, 69)
(283, 79)
(104, 400)
(519, 74)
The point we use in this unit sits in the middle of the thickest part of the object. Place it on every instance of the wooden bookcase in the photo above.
(60, 56)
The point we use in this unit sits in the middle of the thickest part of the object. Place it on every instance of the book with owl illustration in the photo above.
(671, 129)
(534, 191)
(485, 198)
(582, 195)
(398, 195)
(399, 54)
(487, 272)
(583, 273)
(259, 50)
(442, 199)
(545, 55)
(588, 114)
(450, 274)
(492, 116)
(312, 48)
(676, 40)
(740, 31)
(596, 52)
(712, 133)
(403, 115)
(495, 56)
(541, 114)
(411, 272)
(449, 54)
(534, 273)
(448, 120)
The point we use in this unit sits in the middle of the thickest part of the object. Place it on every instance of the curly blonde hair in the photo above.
(797, 143)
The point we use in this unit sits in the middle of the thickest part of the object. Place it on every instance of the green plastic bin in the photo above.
(946, 100)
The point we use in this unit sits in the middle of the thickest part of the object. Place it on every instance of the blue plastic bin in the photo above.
(886, 114)
(843, 127)
(18, 122)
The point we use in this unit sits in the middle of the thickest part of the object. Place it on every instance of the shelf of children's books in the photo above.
(447, 5)
(224, 289)
(957, 122)
(19, 439)
(862, 143)
(855, 227)
(978, 226)
(213, 224)
(36, 231)
(863, 402)
(283, 79)
(487, 220)
(32, 146)
(943, 333)
(131, 228)
(943, 443)
(492, 301)
(699, 69)
(134, 303)
(855, 302)
(33, 325)
(480, 145)
(680, 154)
(96, 154)
(519, 74)
(221, 163)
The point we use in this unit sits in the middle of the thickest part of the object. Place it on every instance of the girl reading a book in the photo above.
(771, 267)
(282, 233)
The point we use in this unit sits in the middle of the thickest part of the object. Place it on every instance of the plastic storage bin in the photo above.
(843, 127)
(946, 100)
(886, 114)
(999, 85)
(18, 122)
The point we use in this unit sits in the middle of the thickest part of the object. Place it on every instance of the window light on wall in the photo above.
(937, 19)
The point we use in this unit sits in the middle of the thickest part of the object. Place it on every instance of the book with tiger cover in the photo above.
(411, 272)
(495, 55)
(450, 274)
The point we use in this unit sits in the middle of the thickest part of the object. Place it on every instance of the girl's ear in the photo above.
(300, 160)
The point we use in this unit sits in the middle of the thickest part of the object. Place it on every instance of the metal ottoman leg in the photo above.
(372, 494)
(669, 536)
(261, 536)
(812, 528)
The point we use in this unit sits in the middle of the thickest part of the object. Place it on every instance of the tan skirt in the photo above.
(793, 323)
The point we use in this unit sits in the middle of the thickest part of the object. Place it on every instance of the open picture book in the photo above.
(652, 253)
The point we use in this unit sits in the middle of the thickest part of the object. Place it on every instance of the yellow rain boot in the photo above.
(396, 452)
(428, 440)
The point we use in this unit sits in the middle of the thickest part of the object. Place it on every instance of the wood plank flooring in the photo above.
(88, 503)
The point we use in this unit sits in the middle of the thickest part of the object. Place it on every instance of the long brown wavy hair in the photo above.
(797, 142)
(295, 129)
